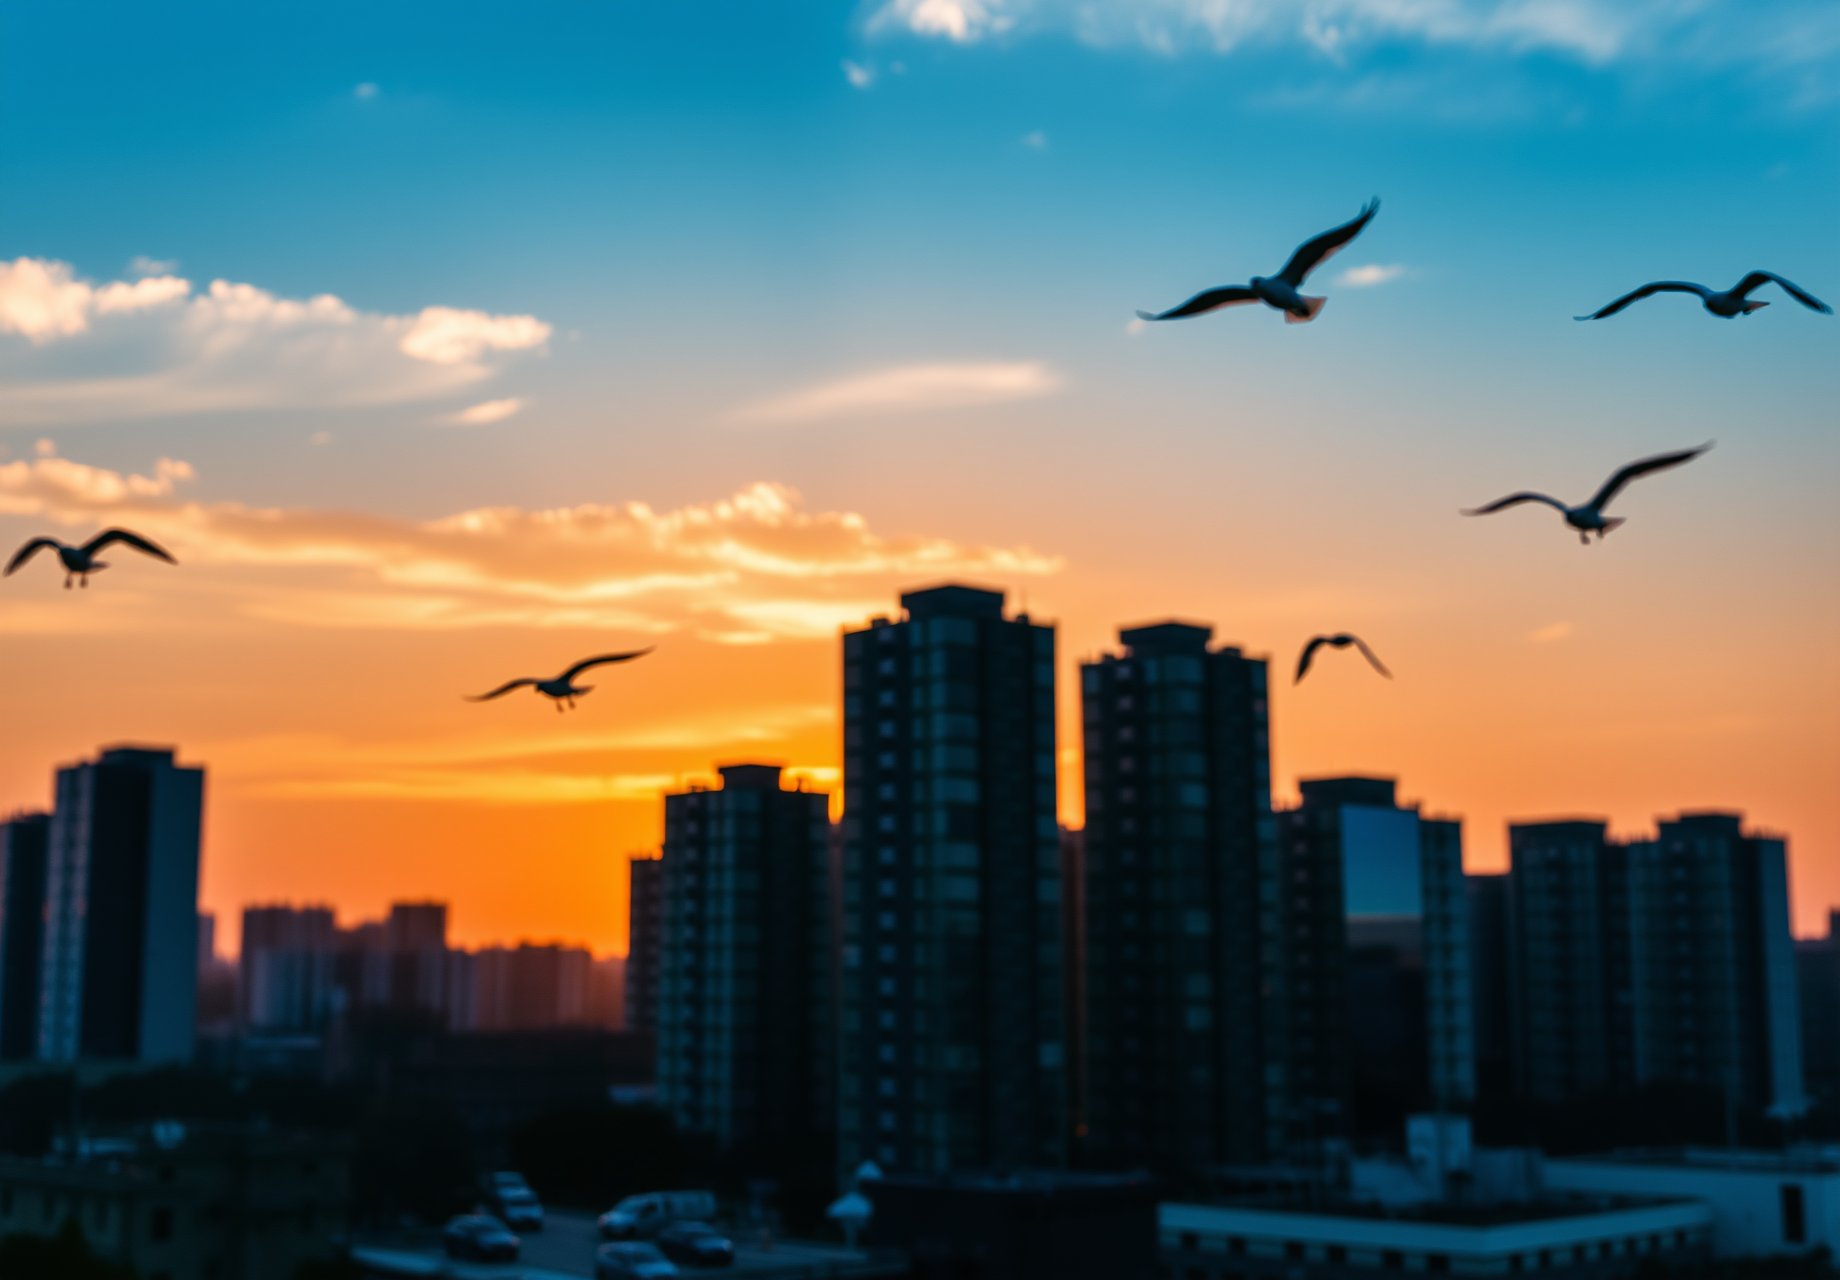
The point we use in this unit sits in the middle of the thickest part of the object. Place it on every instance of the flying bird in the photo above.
(1339, 641)
(80, 562)
(1590, 516)
(1734, 301)
(563, 688)
(1279, 291)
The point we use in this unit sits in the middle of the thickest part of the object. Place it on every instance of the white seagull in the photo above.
(1341, 640)
(1734, 301)
(563, 688)
(1589, 517)
(80, 562)
(1279, 291)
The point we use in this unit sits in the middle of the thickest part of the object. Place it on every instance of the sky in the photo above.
(447, 343)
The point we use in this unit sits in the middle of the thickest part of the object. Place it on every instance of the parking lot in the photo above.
(564, 1250)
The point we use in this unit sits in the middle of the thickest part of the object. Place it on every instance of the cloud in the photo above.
(488, 411)
(908, 389)
(859, 76)
(1551, 632)
(365, 90)
(1592, 31)
(154, 347)
(1036, 139)
(1369, 276)
(142, 265)
(750, 568)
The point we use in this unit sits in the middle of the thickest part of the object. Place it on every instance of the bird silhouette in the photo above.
(563, 688)
(1341, 640)
(1734, 301)
(1279, 291)
(1589, 517)
(80, 562)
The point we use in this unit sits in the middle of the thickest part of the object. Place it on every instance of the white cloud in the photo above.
(1036, 139)
(1593, 31)
(1551, 632)
(750, 568)
(489, 411)
(365, 90)
(1368, 276)
(859, 76)
(155, 347)
(142, 265)
(908, 389)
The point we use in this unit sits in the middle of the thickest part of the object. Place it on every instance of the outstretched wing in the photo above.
(1660, 462)
(26, 552)
(1514, 500)
(569, 675)
(502, 690)
(1800, 294)
(1658, 286)
(1313, 253)
(1369, 655)
(1236, 295)
(110, 536)
(1309, 654)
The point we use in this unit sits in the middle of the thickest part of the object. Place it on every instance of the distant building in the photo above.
(1491, 988)
(400, 963)
(644, 941)
(953, 1044)
(1388, 1001)
(744, 1025)
(607, 993)
(524, 988)
(120, 970)
(1664, 959)
(189, 1201)
(25, 843)
(1073, 979)
(1817, 978)
(287, 968)
(1184, 1042)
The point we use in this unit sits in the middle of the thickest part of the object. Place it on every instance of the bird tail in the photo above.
(1754, 306)
(1311, 307)
(1611, 522)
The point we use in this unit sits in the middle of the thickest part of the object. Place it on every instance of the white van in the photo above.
(642, 1217)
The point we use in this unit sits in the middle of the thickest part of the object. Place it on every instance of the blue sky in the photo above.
(887, 255)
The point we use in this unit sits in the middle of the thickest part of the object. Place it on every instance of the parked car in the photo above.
(516, 1203)
(644, 1216)
(631, 1261)
(479, 1237)
(698, 1243)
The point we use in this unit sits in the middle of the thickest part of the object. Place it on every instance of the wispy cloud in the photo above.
(750, 568)
(1592, 31)
(1035, 139)
(489, 411)
(907, 389)
(1368, 276)
(858, 74)
(155, 347)
(1551, 632)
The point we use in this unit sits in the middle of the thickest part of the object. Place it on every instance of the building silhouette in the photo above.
(1817, 980)
(286, 968)
(522, 988)
(644, 941)
(953, 1032)
(120, 969)
(1663, 959)
(1183, 1019)
(25, 843)
(744, 1025)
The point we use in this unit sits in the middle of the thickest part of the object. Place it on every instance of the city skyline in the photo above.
(931, 224)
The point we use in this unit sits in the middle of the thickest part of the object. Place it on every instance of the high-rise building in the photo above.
(1394, 1027)
(25, 841)
(1664, 959)
(1490, 983)
(953, 1035)
(120, 969)
(644, 941)
(1184, 1036)
(524, 988)
(1817, 980)
(744, 1028)
(400, 963)
(287, 968)
(607, 993)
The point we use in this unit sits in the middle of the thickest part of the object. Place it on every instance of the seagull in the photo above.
(1590, 516)
(80, 562)
(1279, 291)
(563, 688)
(1735, 301)
(1339, 641)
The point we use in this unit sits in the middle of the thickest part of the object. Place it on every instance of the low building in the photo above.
(1763, 1202)
(1585, 1238)
(189, 1204)
(1026, 1225)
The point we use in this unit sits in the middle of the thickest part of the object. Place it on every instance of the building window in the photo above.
(162, 1226)
(1794, 1214)
(1393, 1260)
(1437, 1262)
(1338, 1254)
(1190, 1240)
(1293, 1250)
(1236, 1244)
